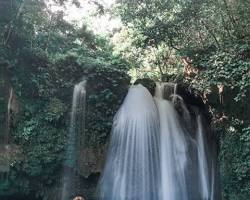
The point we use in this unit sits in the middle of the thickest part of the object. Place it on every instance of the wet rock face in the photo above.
(195, 106)
(190, 96)
(91, 160)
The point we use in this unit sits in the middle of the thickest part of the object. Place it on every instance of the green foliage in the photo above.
(235, 160)
(229, 66)
(46, 57)
(187, 24)
(106, 89)
(147, 61)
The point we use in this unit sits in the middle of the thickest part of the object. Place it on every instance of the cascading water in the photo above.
(202, 161)
(132, 166)
(186, 163)
(76, 129)
(8, 116)
(153, 155)
(173, 151)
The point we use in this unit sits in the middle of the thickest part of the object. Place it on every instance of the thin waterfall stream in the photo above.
(70, 178)
(153, 156)
(202, 161)
(9, 115)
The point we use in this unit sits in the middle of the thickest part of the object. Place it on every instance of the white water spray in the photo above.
(9, 106)
(132, 166)
(152, 155)
(173, 151)
(202, 161)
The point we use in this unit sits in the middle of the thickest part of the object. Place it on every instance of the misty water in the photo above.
(133, 162)
(154, 155)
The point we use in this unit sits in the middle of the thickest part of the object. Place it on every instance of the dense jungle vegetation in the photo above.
(204, 44)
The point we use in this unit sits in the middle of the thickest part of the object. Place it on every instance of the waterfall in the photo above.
(132, 166)
(173, 151)
(76, 131)
(8, 116)
(187, 167)
(158, 150)
(202, 161)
